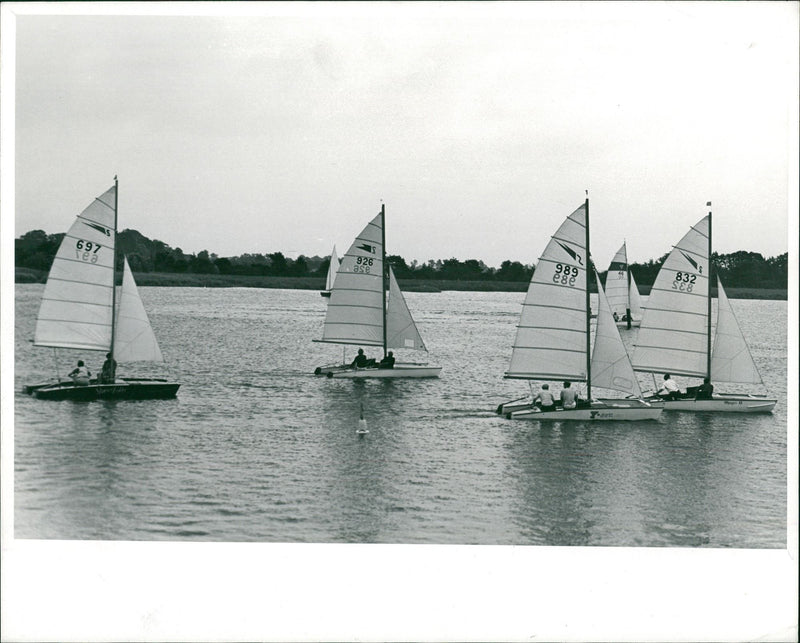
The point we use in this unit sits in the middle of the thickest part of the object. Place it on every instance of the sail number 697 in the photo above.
(86, 250)
(565, 275)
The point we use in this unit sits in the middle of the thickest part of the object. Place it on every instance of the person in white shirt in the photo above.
(80, 375)
(545, 399)
(669, 389)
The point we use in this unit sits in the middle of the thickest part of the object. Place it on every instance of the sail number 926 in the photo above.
(684, 281)
(86, 250)
(565, 275)
(363, 264)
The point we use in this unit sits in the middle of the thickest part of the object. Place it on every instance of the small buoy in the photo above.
(362, 423)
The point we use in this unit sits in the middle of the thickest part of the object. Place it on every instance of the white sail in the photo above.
(332, 268)
(355, 308)
(674, 333)
(401, 332)
(134, 340)
(731, 360)
(77, 304)
(635, 299)
(617, 282)
(611, 366)
(551, 336)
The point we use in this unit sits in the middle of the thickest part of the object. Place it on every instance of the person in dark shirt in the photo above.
(109, 371)
(705, 390)
(360, 360)
(388, 361)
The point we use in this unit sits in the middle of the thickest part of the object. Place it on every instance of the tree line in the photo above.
(36, 249)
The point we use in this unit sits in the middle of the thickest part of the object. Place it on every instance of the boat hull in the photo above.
(400, 370)
(122, 389)
(730, 403)
(614, 410)
(636, 323)
(325, 293)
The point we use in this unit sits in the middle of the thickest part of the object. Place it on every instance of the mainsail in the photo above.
(401, 332)
(355, 309)
(77, 304)
(134, 340)
(617, 282)
(673, 337)
(551, 337)
(332, 268)
(731, 360)
(611, 367)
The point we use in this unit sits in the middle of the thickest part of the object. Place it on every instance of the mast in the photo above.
(114, 271)
(628, 291)
(385, 271)
(588, 311)
(708, 325)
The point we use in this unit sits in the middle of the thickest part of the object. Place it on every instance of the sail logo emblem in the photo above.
(693, 262)
(99, 228)
(368, 248)
(571, 253)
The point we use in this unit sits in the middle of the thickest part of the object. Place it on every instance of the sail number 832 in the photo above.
(363, 264)
(86, 250)
(684, 281)
(565, 275)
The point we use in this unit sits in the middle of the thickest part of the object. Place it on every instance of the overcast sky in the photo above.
(479, 126)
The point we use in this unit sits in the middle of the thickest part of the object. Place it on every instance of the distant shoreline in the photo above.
(191, 280)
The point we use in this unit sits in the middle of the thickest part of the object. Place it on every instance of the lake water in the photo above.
(255, 448)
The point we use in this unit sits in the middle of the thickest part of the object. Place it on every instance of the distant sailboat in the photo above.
(622, 292)
(359, 313)
(675, 336)
(554, 335)
(333, 266)
(80, 310)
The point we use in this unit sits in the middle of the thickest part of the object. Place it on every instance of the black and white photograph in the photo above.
(389, 321)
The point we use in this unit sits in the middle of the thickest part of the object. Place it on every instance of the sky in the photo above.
(283, 127)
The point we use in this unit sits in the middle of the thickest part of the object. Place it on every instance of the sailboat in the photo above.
(333, 266)
(80, 310)
(675, 336)
(359, 311)
(553, 340)
(622, 291)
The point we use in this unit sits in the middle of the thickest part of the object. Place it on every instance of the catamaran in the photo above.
(80, 310)
(622, 291)
(553, 340)
(359, 312)
(675, 336)
(333, 266)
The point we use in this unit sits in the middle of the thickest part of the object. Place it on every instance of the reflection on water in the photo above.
(255, 448)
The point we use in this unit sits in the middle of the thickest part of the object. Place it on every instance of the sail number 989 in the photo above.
(684, 281)
(363, 264)
(565, 275)
(86, 250)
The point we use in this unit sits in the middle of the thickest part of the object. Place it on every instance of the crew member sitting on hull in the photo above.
(569, 397)
(109, 371)
(669, 389)
(388, 361)
(360, 360)
(705, 390)
(544, 399)
(80, 375)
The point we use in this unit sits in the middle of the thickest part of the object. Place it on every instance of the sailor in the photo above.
(360, 360)
(388, 361)
(669, 389)
(109, 371)
(80, 375)
(569, 397)
(705, 390)
(545, 399)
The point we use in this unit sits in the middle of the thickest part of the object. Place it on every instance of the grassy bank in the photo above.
(25, 275)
